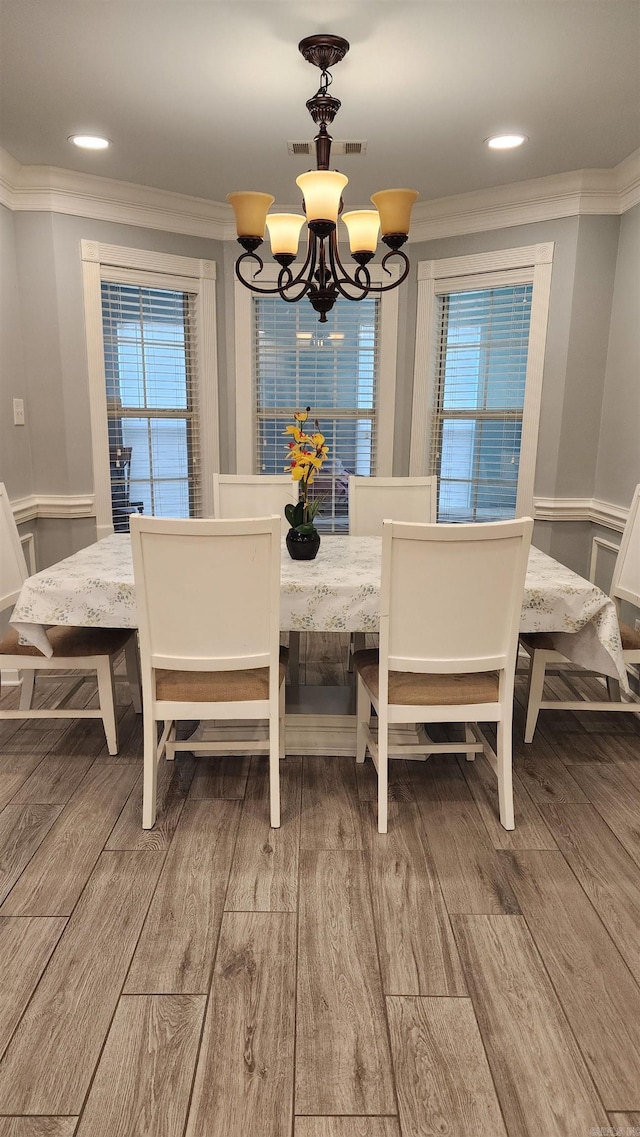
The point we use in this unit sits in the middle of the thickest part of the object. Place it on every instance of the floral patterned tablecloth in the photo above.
(339, 591)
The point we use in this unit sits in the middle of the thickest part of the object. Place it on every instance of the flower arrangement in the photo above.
(306, 454)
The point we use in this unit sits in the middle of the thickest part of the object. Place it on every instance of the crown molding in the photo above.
(577, 193)
(47, 189)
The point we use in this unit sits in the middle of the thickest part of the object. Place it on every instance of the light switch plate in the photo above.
(18, 412)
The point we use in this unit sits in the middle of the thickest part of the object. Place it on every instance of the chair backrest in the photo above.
(208, 592)
(253, 495)
(13, 567)
(371, 500)
(625, 584)
(451, 595)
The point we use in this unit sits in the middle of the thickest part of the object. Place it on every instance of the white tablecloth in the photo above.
(339, 591)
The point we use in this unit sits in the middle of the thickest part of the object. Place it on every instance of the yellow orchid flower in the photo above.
(302, 416)
(317, 439)
(297, 472)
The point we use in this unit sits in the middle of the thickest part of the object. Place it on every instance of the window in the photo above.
(344, 370)
(152, 406)
(151, 346)
(332, 368)
(478, 401)
(477, 383)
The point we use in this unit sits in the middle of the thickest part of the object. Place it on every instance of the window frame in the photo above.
(384, 414)
(145, 269)
(530, 264)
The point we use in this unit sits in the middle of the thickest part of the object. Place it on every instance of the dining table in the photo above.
(339, 591)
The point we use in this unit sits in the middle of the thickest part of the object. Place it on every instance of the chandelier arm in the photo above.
(249, 283)
(285, 279)
(354, 282)
(378, 288)
(309, 263)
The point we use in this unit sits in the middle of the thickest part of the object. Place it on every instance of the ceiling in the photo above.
(201, 97)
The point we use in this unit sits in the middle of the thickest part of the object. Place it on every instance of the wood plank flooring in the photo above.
(216, 978)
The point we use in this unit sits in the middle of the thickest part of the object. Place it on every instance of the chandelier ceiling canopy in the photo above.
(323, 277)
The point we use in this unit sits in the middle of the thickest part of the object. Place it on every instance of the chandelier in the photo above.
(323, 277)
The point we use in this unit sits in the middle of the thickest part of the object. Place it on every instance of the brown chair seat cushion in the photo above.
(630, 637)
(217, 686)
(409, 688)
(74, 642)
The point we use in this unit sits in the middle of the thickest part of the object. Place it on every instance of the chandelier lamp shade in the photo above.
(323, 277)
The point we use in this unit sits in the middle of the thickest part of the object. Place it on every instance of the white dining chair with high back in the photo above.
(208, 596)
(544, 652)
(73, 649)
(372, 500)
(259, 495)
(451, 597)
(253, 495)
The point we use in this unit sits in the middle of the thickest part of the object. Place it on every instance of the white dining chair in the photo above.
(450, 604)
(544, 653)
(208, 596)
(73, 649)
(372, 500)
(259, 495)
(253, 495)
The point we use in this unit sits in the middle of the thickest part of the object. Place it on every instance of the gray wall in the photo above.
(618, 465)
(43, 358)
(590, 378)
(15, 446)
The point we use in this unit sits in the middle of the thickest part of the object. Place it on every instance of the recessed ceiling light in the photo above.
(505, 141)
(89, 141)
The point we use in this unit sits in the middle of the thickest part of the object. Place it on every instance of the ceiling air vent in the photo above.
(337, 147)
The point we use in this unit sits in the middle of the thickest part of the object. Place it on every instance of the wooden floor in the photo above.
(215, 978)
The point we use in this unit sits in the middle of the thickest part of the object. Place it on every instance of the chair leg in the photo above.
(357, 642)
(107, 696)
(505, 775)
(26, 694)
(282, 699)
(469, 736)
(363, 716)
(294, 658)
(613, 689)
(133, 672)
(150, 775)
(535, 685)
(383, 775)
(274, 771)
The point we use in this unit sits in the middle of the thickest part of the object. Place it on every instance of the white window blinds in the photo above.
(478, 400)
(332, 368)
(152, 408)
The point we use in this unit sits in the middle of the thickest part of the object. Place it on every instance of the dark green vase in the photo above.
(303, 546)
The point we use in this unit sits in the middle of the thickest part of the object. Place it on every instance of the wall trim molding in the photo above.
(58, 506)
(65, 506)
(581, 509)
(575, 193)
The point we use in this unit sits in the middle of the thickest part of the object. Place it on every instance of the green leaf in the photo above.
(306, 529)
(288, 512)
(298, 515)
